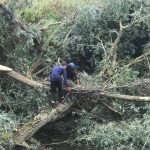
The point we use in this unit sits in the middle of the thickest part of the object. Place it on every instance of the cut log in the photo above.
(126, 97)
(4, 68)
(25, 80)
(10, 72)
(23, 135)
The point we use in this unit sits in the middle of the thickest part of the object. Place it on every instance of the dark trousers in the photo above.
(56, 87)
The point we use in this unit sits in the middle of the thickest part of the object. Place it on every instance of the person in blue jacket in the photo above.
(71, 70)
(56, 81)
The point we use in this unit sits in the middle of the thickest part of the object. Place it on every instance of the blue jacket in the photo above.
(57, 72)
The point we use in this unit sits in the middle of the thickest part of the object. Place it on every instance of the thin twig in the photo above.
(110, 108)
(58, 143)
(138, 59)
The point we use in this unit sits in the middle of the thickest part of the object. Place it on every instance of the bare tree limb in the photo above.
(10, 72)
(25, 132)
(138, 59)
(115, 44)
(110, 108)
(37, 84)
(126, 97)
(4, 68)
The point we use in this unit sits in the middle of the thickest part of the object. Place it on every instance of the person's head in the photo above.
(72, 65)
(64, 64)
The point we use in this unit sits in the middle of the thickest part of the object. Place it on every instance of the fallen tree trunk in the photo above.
(4, 68)
(37, 84)
(25, 80)
(24, 134)
(126, 97)
(10, 72)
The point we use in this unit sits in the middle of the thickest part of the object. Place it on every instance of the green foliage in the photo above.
(123, 135)
(24, 100)
(8, 123)
(85, 36)
(124, 77)
(29, 15)
(37, 11)
(89, 38)
(14, 39)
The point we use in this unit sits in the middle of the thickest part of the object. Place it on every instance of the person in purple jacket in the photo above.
(56, 81)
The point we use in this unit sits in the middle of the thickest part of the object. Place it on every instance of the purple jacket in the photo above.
(57, 72)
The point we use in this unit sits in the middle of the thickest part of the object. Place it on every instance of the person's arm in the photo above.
(65, 78)
(65, 81)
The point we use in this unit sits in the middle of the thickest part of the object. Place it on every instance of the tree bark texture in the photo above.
(10, 72)
(125, 97)
(23, 135)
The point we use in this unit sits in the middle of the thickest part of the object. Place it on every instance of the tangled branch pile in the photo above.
(108, 39)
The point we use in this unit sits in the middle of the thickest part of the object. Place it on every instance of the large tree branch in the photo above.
(125, 97)
(113, 52)
(25, 80)
(37, 84)
(10, 72)
(25, 132)
(138, 59)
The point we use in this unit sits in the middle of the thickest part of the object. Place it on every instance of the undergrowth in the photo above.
(126, 135)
